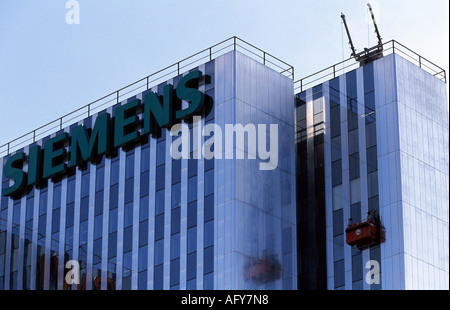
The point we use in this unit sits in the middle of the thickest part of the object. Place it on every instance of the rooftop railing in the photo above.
(208, 54)
(390, 47)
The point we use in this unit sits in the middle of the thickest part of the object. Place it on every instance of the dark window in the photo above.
(372, 159)
(142, 280)
(191, 266)
(175, 272)
(128, 239)
(176, 195)
(158, 278)
(192, 214)
(175, 246)
(353, 142)
(160, 177)
(142, 260)
(115, 172)
(145, 159)
(208, 260)
(159, 201)
(143, 233)
(144, 186)
(355, 212)
(85, 185)
(128, 215)
(84, 208)
(175, 222)
(160, 153)
(98, 208)
(336, 148)
(143, 210)
(113, 220)
(338, 222)
(336, 172)
(176, 171)
(339, 274)
(357, 267)
(209, 182)
(159, 227)
(129, 190)
(159, 252)
(209, 208)
(192, 239)
(129, 169)
(354, 166)
(100, 179)
(192, 189)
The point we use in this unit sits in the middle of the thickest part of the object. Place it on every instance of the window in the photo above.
(335, 148)
(192, 189)
(338, 198)
(175, 222)
(339, 274)
(159, 252)
(143, 233)
(336, 172)
(355, 191)
(209, 233)
(353, 143)
(338, 222)
(192, 239)
(209, 182)
(159, 227)
(176, 195)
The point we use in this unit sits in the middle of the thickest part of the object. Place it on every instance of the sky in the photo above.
(49, 68)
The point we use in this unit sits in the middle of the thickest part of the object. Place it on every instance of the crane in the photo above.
(368, 54)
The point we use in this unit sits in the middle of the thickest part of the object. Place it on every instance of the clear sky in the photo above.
(49, 68)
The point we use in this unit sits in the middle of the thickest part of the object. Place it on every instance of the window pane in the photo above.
(339, 278)
(143, 233)
(144, 184)
(209, 182)
(192, 214)
(159, 252)
(176, 195)
(143, 210)
(353, 143)
(191, 266)
(160, 177)
(192, 239)
(338, 247)
(336, 148)
(159, 200)
(175, 246)
(142, 260)
(338, 198)
(336, 172)
(355, 191)
(192, 189)
(175, 222)
(209, 233)
(338, 222)
(159, 227)
(209, 208)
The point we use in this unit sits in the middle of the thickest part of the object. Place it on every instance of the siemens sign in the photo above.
(107, 134)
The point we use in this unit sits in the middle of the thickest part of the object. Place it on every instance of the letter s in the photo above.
(193, 95)
(13, 172)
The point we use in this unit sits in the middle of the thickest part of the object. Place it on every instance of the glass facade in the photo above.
(369, 167)
(374, 139)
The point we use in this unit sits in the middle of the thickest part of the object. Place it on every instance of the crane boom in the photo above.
(350, 42)
(375, 25)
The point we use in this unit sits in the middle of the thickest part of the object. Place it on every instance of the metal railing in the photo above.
(390, 47)
(208, 54)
